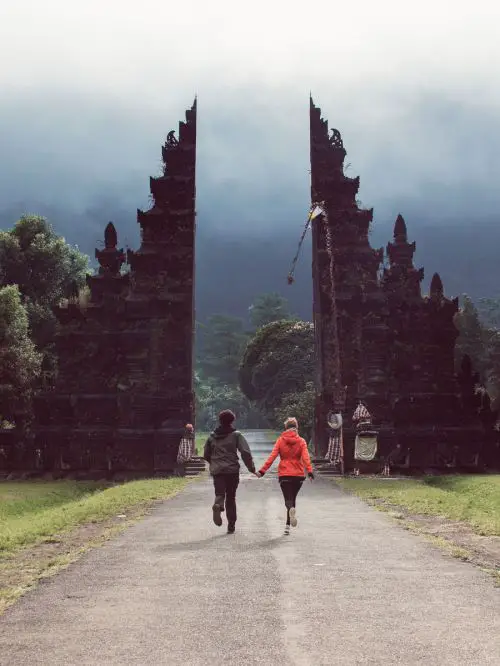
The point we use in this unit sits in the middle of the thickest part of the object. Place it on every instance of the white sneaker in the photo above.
(293, 517)
(287, 529)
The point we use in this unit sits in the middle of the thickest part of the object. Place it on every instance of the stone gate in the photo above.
(124, 389)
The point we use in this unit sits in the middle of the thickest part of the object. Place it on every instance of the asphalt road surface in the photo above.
(345, 587)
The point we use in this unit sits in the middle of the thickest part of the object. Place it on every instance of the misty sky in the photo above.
(90, 89)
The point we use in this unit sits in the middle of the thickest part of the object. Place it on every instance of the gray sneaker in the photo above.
(293, 517)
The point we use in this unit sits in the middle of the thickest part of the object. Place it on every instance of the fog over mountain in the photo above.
(90, 93)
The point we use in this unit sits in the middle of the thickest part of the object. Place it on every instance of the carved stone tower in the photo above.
(392, 347)
(161, 297)
(124, 389)
(401, 283)
(356, 267)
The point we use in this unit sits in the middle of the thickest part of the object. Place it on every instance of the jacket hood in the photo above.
(223, 431)
(290, 436)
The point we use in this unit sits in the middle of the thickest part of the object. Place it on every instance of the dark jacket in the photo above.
(221, 451)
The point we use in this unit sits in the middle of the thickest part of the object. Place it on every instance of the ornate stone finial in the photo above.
(400, 251)
(171, 140)
(437, 290)
(336, 139)
(110, 236)
(400, 232)
(110, 259)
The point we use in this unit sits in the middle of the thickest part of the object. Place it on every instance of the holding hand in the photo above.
(311, 476)
(258, 474)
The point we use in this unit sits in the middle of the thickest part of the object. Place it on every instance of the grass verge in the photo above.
(474, 500)
(33, 510)
(47, 525)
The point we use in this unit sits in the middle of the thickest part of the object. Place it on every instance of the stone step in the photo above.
(325, 468)
(195, 466)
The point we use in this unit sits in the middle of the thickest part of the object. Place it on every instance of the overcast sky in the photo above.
(89, 91)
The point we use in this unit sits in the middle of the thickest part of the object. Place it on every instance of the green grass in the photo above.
(31, 511)
(474, 500)
(200, 439)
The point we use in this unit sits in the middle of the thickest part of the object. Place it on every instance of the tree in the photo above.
(471, 339)
(489, 312)
(480, 341)
(300, 405)
(222, 341)
(493, 365)
(267, 309)
(46, 269)
(40, 262)
(212, 398)
(278, 362)
(19, 361)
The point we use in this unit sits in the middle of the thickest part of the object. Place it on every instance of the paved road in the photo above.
(346, 587)
(261, 446)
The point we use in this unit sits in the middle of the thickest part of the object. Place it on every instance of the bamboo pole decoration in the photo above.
(290, 277)
(332, 370)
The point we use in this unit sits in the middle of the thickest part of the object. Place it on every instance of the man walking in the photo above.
(221, 452)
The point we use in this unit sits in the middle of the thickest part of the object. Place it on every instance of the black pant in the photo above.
(225, 494)
(290, 486)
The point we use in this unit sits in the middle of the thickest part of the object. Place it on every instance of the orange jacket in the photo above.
(293, 453)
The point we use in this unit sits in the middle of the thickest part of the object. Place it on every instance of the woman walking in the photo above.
(294, 457)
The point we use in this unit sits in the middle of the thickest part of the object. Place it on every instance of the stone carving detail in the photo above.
(110, 259)
(336, 139)
(171, 140)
